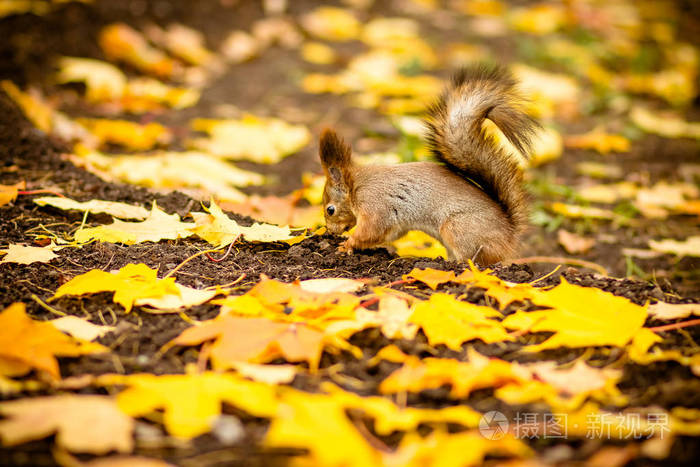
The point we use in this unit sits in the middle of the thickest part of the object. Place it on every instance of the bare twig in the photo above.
(671, 327)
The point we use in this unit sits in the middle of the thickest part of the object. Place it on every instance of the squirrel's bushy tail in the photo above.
(458, 139)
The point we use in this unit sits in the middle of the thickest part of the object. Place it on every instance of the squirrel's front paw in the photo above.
(345, 247)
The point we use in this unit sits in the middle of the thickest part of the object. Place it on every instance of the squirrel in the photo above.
(472, 200)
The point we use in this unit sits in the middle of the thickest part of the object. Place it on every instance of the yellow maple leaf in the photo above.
(157, 226)
(216, 227)
(132, 282)
(120, 210)
(82, 423)
(22, 254)
(417, 243)
(191, 403)
(318, 423)
(255, 340)
(580, 317)
(389, 417)
(443, 449)
(27, 344)
(430, 373)
(220, 230)
(259, 140)
(446, 320)
(131, 135)
(331, 23)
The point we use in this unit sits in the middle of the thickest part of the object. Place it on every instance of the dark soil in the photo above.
(267, 86)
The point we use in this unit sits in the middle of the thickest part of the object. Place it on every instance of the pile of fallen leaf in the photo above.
(142, 327)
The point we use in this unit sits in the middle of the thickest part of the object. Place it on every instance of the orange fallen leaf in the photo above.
(464, 377)
(82, 423)
(430, 277)
(121, 42)
(598, 140)
(8, 193)
(573, 243)
(26, 344)
(290, 302)
(130, 283)
(255, 340)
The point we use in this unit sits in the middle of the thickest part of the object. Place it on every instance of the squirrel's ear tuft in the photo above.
(334, 152)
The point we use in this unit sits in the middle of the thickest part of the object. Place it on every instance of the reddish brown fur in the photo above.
(474, 203)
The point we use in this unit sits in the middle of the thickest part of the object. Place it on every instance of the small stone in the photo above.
(228, 429)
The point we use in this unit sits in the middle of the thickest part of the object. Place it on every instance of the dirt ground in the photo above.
(267, 86)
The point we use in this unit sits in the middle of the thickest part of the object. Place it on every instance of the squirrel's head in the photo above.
(337, 163)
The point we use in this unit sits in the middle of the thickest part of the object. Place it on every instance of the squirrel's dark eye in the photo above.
(330, 209)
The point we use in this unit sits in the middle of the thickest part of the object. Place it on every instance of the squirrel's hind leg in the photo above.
(466, 242)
